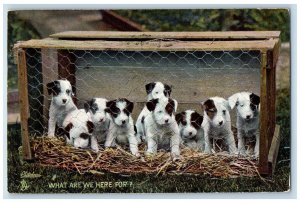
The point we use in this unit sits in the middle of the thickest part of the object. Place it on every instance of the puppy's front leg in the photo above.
(151, 144)
(256, 148)
(51, 126)
(94, 143)
(241, 143)
(175, 151)
(207, 148)
(231, 143)
(133, 145)
(110, 138)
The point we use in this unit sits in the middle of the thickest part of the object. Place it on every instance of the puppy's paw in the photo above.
(176, 157)
(206, 151)
(51, 135)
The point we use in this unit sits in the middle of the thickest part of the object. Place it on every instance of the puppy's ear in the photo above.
(167, 90)
(197, 118)
(171, 106)
(90, 126)
(129, 106)
(149, 87)
(67, 130)
(151, 104)
(254, 99)
(209, 105)
(51, 86)
(179, 117)
(233, 100)
(87, 105)
(110, 105)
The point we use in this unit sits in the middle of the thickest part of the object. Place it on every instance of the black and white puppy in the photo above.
(217, 123)
(161, 128)
(191, 133)
(96, 110)
(154, 90)
(78, 129)
(247, 122)
(61, 104)
(121, 127)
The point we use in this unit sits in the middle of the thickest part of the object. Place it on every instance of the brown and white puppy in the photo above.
(78, 129)
(96, 110)
(154, 90)
(217, 124)
(121, 127)
(161, 128)
(247, 109)
(61, 103)
(191, 133)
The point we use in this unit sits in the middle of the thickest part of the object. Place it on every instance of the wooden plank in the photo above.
(168, 35)
(152, 45)
(24, 105)
(263, 142)
(273, 152)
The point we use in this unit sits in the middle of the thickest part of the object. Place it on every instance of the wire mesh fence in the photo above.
(194, 77)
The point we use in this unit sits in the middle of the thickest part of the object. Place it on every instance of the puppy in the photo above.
(191, 133)
(160, 126)
(78, 128)
(154, 90)
(121, 127)
(96, 110)
(247, 122)
(217, 124)
(61, 103)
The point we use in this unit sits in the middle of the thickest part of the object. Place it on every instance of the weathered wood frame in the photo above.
(267, 42)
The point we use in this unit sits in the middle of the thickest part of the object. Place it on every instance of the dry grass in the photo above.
(54, 152)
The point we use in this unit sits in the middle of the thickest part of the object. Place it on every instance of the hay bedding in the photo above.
(54, 152)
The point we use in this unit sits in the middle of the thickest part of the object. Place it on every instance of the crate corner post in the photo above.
(24, 104)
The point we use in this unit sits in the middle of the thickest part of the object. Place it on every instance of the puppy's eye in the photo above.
(156, 92)
(241, 105)
(159, 111)
(68, 91)
(224, 112)
(183, 122)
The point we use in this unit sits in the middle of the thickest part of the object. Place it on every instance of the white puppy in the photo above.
(121, 127)
(217, 124)
(61, 103)
(95, 109)
(160, 126)
(247, 123)
(154, 90)
(191, 133)
(78, 128)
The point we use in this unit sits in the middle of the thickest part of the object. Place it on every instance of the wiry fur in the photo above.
(61, 104)
(121, 127)
(190, 129)
(160, 126)
(78, 128)
(154, 90)
(217, 124)
(96, 110)
(247, 123)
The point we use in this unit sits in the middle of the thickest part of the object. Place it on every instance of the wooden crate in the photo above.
(54, 52)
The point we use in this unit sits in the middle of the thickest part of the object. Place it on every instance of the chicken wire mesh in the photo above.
(194, 76)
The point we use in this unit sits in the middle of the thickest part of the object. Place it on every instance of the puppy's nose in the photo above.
(101, 119)
(123, 121)
(167, 120)
(190, 133)
(248, 117)
(221, 122)
(64, 101)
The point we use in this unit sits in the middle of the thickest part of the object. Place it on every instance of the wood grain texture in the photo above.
(168, 35)
(151, 45)
(24, 105)
(273, 152)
